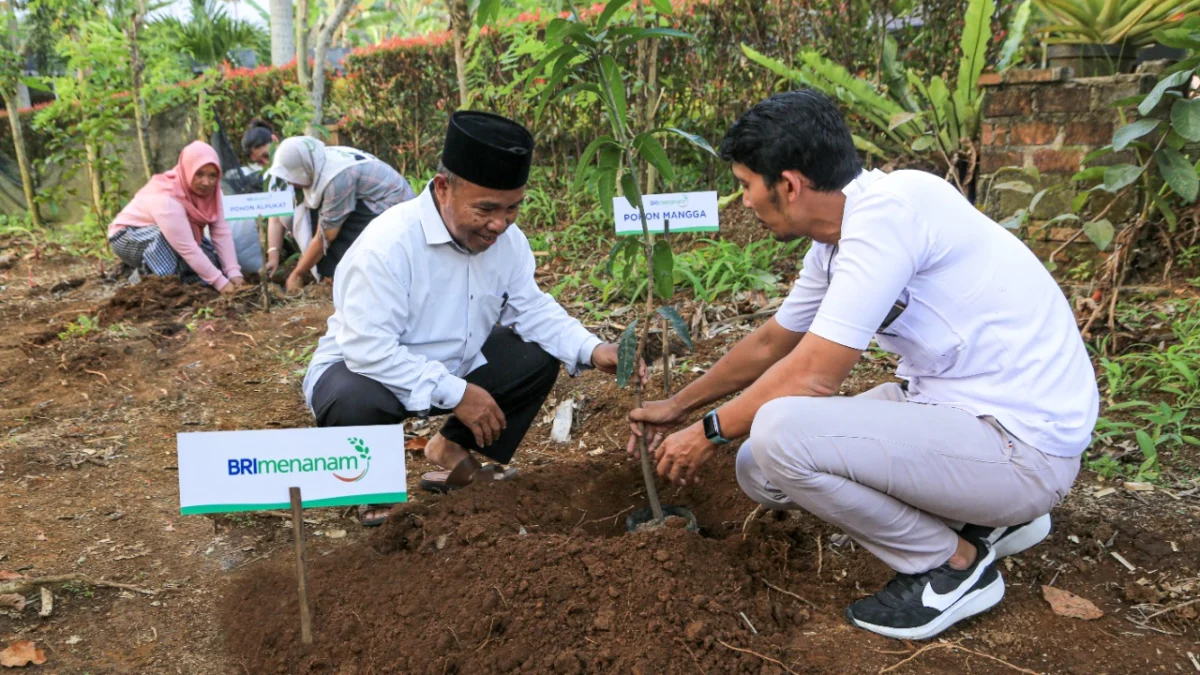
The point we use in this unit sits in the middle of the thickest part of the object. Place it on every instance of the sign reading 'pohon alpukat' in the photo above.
(255, 204)
(686, 211)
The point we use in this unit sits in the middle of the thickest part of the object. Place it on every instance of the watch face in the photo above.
(710, 426)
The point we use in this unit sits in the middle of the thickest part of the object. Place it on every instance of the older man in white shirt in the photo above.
(437, 311)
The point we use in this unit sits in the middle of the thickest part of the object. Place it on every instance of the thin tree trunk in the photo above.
(93, 159)
(18, 134)
(460, 28)
(283, 32)
(23, 100)
(302, 45)
(14, 121)
(318, 76)
(651, 111)
(141, 121)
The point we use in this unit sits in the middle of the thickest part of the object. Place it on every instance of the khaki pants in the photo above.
(897, 476)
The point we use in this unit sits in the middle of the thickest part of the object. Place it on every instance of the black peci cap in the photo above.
(488, 150)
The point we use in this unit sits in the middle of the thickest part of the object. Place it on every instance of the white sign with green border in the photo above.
(226, 471)
(255, 204)
(686, 211)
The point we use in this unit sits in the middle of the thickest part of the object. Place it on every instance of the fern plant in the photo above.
(912, 116)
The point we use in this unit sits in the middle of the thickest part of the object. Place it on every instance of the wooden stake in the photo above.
(301, 568)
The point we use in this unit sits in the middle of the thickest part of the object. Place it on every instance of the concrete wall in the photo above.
(169, 132)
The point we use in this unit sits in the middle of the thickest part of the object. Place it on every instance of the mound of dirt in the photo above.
(534, 575)
(538, 575)
(154, 298)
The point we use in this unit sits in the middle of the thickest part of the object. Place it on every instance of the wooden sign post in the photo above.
(301, 567)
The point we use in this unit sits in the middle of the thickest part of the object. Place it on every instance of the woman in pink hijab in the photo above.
(161, 232)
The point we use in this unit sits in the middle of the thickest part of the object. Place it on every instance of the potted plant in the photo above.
(1102, 37)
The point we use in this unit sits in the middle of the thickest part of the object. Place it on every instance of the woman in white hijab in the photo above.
(343, 190)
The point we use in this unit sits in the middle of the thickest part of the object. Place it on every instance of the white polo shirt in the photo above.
(412, 309)
(985, 327)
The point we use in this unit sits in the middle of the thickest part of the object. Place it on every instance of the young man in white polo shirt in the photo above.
(999, 398)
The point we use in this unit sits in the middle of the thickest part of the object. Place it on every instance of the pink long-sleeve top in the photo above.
(168, 214)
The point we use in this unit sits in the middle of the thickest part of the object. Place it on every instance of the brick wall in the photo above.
(1048, 120)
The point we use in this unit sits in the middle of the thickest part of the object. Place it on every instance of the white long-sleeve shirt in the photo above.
(412, 309)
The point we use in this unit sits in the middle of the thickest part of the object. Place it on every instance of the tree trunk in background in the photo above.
(14, 119)
(460, 28)
(141, 120)
(18, 134)
(302, 45)
(93, 158)
(23, 100)
(283, 32)
(324, 38)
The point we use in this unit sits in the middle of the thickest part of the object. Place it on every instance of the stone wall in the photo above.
(1049, 121)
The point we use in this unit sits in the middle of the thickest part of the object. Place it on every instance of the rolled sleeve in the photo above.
(881, 249)
(801, 305)
(536, 317)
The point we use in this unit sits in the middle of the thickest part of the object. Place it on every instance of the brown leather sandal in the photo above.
(462, 475)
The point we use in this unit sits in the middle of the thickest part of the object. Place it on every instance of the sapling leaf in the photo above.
(649, 149)
(630, 188)
(609, 10)
(626, 353)
(664, 269)
(611, 73)
(586, 158)
(663, 6)
(694, 139)
(681, 328)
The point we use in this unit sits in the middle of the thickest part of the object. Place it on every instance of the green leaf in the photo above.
(1079, 200)
(606, 190)
(36, 83)
(662, 6)
(1129, 132)
(1146, 445)
(1156, 94)
(585, 160)
(649, 149)
(629, 186)
(485, 11)
(1090, 173)
(864, 145)
(610, 9)
(681, 328)
(976, 35)
(1050, 265)
(1179, 173)
(1167, 212)
(612, 75)
(1120, 175)
(1100, 232)
(1016, 186)
(1097, 154)
(620, 248)
(694, 139)
(923, 143)
(900, 119)
(1016, 34)
(1185, 118)
(664, 269)
(626, 354)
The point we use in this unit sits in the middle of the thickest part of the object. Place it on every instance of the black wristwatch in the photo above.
(712, 429)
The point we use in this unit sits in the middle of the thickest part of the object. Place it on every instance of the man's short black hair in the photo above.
(799, 130)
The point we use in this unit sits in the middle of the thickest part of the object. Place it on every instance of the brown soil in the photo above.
(539, 575)
(88, 484)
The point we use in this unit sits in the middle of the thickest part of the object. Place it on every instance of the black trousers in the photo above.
(519, 375)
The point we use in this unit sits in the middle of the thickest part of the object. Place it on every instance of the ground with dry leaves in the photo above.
(89, 499)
